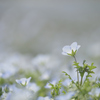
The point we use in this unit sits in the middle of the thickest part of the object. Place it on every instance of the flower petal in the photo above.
(67, 49)
(28, 80)
(18, 81)
(74, 46)
(23, 81)
(78, 47)
(64, 53)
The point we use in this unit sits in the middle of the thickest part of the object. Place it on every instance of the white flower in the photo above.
(7, 70)
(70, 50)
(23, 81)
(22, 94)
(65, 97)
(33, 87)
(66, 82)
(5, 96)
(41, 60)
(45, 76)
(45, 98)
(95, 91)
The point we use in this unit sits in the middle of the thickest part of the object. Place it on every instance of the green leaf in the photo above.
(89, 76)
(84, 62)
(64, 92)
(64, 72)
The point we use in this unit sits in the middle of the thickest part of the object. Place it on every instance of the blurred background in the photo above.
(32, 27)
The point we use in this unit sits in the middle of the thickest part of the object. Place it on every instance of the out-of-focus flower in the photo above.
(22, 94)
(41, 60)
(45, 61)
(48, 84)
(0, 74)
(66, 82)
(70, 50)
(6, 96)
(65, 97)
(23, 81)
(45, 98)
(95, 91)
(7, 70)
(41, 63)
(13, 88)
(45, 76)
(33, 87)
(6, 89)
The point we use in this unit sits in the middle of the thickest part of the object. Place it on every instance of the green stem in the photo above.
(81, 81)
(77, 70)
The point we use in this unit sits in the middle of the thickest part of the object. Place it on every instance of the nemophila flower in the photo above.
(23, 81)
(7, 70)
(41, 60)
(22, 94)
(66, 82)
(45, 98)
(6, 96)
(33, 87)
(45, 76)
(67, 96)
(95, 91)
(70, 50)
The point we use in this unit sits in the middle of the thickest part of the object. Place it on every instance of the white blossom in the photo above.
(69, 50)
(23, 81)
(45, 98)
(45, 76)
(65, 97)
(33, 87)
(66, 82)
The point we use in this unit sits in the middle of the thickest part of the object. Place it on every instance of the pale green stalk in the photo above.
(77, 70)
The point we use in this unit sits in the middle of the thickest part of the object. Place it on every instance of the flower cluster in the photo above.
(43, 81)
